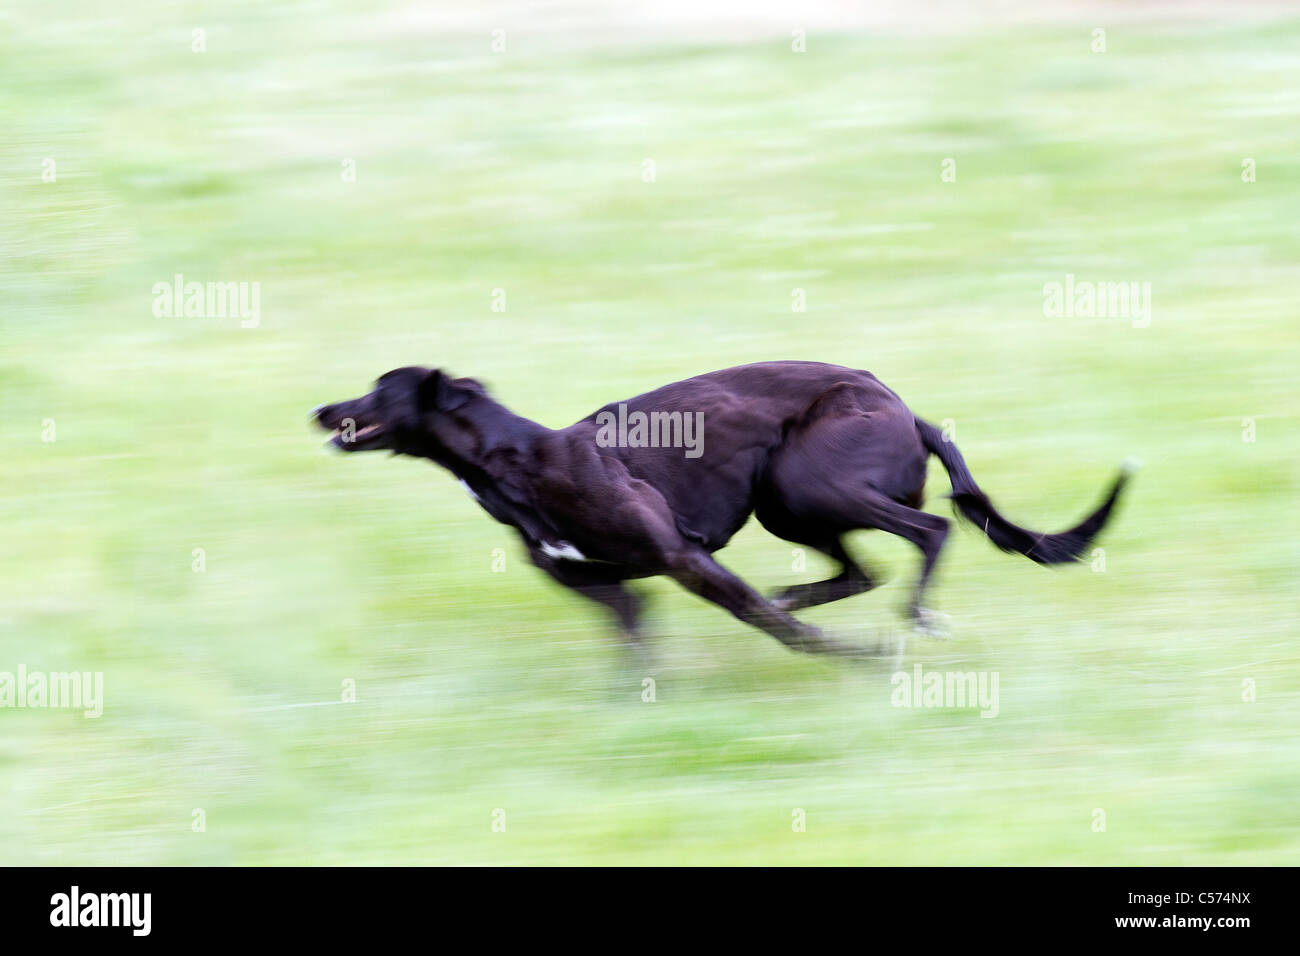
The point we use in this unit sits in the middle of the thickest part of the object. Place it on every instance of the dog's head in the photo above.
(411, 411)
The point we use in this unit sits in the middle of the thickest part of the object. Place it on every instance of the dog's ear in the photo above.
(441, 393)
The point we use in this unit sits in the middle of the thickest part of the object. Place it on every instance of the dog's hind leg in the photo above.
(698, 572)
(773, 515)
(851, 464)
(852, 579)
(868, 508)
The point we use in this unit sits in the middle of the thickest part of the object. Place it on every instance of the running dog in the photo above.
(815, 451)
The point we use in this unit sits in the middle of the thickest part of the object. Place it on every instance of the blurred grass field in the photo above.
(522, 171)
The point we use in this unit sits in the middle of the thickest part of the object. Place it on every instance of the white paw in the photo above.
(933, 624)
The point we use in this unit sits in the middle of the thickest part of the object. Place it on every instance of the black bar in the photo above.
(327, 906)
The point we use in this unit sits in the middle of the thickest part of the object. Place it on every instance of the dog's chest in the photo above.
(509, 509)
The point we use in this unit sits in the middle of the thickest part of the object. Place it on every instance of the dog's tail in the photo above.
(975, 506)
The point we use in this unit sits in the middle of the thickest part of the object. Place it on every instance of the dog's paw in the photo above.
(934, 624)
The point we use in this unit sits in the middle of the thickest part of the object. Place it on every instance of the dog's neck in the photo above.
(500, 436)
(492, 460)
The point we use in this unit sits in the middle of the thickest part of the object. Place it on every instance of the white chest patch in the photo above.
(468, 490)
(563, 550)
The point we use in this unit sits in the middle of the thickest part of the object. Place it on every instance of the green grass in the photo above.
(477, 690)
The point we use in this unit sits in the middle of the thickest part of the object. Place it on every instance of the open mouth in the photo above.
(357, 439)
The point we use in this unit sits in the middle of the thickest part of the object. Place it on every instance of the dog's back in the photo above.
(745, 414)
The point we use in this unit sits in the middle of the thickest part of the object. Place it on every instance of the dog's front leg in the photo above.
(698, 572)
(626, 606)
(603, 584)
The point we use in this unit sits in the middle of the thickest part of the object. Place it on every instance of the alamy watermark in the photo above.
(946, 689)
(640, 429)
(130, 910)
(1101, 300)
(208, 300)
(66, 690)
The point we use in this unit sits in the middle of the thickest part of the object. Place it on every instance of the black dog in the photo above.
(634, 490)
